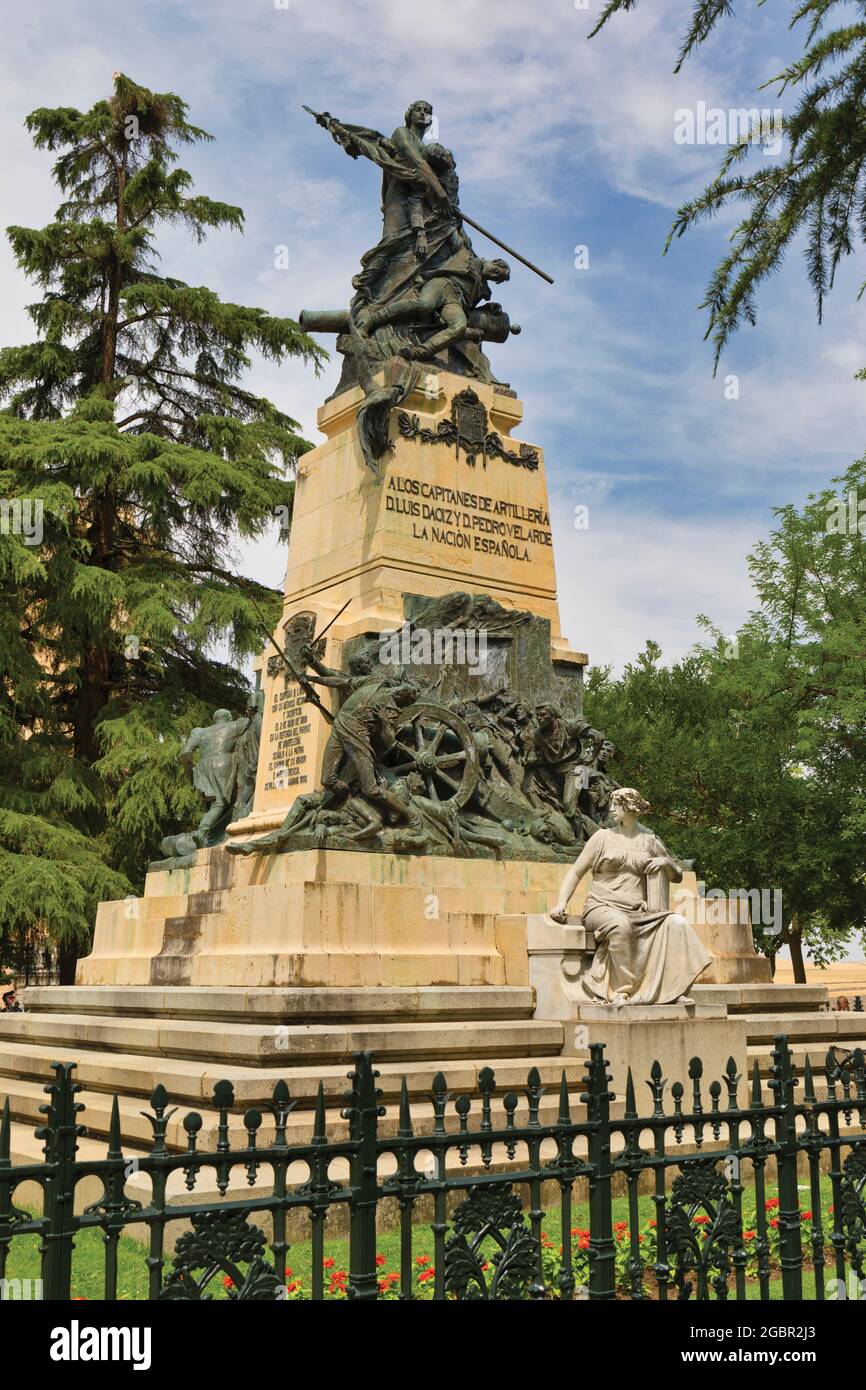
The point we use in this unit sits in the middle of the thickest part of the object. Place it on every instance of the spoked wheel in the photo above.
(437, 743)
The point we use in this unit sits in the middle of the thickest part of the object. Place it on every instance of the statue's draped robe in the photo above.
(415, 197)
(650, 957)
(410, 202)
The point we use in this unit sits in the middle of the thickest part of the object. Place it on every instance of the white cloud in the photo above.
(630, 577)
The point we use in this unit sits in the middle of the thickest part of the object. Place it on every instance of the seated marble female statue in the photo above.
(645, 954)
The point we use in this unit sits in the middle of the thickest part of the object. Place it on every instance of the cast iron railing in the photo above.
(488, 1234)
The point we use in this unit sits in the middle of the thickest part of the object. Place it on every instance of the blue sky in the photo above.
(559, 143)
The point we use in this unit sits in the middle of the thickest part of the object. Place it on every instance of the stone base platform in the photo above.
(635, 1036)
(126, 1040)
(329, 918)
(129, 1040)
(341, 919)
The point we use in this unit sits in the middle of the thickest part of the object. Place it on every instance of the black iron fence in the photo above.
(724, 1182)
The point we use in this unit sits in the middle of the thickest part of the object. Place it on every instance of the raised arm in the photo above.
(325, 675)
(579, 868)
(335, 681)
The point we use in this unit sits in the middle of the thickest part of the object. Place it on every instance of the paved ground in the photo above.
(847, 977)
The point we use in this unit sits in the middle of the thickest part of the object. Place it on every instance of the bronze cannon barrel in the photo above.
(491, 319)
(324, 320)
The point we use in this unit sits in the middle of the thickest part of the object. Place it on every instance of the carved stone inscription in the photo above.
(290, 724)
(470, 521)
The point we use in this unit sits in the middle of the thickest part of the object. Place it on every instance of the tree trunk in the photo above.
(67, 959)
(795, 942)
(115, 274)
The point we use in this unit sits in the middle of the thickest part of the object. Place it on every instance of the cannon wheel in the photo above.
(439, 744)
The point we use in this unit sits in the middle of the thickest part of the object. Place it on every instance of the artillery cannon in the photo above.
(490, 320)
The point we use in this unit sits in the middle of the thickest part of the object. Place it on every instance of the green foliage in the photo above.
(128, 425)
(818, 186)
(752, 749)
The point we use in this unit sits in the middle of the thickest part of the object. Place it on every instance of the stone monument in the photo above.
(386, 827)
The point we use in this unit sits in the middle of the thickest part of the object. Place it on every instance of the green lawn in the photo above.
(88, 1262)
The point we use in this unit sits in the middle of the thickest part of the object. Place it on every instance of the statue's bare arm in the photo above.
(325, 675)
(578, 870)
(334, 682)
(186, 753)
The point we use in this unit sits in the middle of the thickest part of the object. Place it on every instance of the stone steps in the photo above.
(763, 1055)
(287, 1005)
(270, 1044)
(819, 1030)
(193, 1082)
(126, 1041)
(26, 1096)
(763, 998)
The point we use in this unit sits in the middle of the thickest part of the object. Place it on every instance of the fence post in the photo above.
(790, 1237)
(602, 1250)
(60, 1133)
(363, 1113)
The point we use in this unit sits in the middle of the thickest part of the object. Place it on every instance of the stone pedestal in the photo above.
(724, 926)
(342, 918)
(320, 918)
(557, 957)
(635, 1036)
(434, 521)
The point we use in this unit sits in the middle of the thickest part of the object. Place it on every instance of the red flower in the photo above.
(749, 1235)
(771, 1204)
(805, 1216)
(228, 1282)
(380, 1260)
(701, 1220)
(422, 1259)
(294, 1286)
(583, 1243)
(328, 1263)
(774, 1221)
(620, 1225)
(290, 1271)
(427, 1274)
